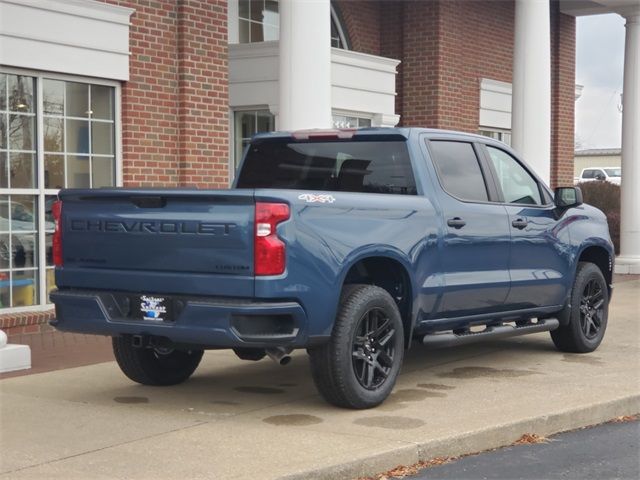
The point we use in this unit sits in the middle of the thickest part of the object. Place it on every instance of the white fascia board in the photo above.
(80, 8)
(253, 50)
(489, 85)
(81, 37)
(495, 104)
(364, 60)
(359, 82)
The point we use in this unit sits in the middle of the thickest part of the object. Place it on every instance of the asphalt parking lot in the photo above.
(609, 451)
(234, 418)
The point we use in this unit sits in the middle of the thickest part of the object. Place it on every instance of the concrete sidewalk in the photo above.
(238, 419)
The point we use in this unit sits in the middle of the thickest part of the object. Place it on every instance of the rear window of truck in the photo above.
(340, 166)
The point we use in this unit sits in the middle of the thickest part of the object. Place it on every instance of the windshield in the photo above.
(339, 166)
(613, 172)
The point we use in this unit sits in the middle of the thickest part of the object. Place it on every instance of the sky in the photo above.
(599, 67)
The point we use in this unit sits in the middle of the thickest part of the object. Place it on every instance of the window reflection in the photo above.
(78, 133)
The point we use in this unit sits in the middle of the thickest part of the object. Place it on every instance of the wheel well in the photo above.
(390, 275)
(601, 258)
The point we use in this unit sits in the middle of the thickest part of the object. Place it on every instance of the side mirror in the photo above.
(600, 176)
(566, 197)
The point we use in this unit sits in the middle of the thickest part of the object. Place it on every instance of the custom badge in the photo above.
(316, 198)
(152, 308)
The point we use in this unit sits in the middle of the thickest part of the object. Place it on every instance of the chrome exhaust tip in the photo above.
(280, 355)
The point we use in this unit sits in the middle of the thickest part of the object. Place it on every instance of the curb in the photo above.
(475, 441)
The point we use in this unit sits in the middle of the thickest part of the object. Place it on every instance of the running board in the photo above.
(449, 339)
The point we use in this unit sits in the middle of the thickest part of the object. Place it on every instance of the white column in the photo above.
(629, 259)
(305, 64)
(531, 97)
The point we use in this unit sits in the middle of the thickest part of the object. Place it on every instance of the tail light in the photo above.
(56, 210)
(269, 250)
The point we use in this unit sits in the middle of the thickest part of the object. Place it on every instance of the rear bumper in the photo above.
(204, 321)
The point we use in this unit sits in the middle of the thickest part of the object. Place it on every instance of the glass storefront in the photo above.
(53, 134)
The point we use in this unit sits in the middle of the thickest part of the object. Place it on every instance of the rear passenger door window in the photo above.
(459, 170)
(518, 186)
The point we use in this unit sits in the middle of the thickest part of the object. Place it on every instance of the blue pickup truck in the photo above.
(349, 243)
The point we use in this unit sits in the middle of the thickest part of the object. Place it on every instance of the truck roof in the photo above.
(345, 133)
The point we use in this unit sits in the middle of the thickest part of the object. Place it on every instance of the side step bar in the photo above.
(449, 339)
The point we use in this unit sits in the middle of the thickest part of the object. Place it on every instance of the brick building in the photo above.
(167, 92)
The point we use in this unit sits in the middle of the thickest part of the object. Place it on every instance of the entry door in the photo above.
(539, 263)
(475, 246)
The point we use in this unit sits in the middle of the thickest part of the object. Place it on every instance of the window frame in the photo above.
(545, 194)
(236, 163)
(40, 192)
(492, 193)
(501, 132)
(358, 116)
(335, 17)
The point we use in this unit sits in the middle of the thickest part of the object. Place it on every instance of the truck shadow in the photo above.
(225, 386)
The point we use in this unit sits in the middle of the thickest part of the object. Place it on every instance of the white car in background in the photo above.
(603, 174)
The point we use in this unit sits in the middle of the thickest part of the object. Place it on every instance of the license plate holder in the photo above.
(153, 308)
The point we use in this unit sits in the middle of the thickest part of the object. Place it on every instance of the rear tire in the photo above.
(150, 366)
(359, 365)
(588, 313)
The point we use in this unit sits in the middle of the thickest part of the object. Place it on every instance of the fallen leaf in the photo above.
(529, 438)
(626, 418)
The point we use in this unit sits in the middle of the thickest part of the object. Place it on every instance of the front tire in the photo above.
(588, 313)
(359, 365)
(151, 366)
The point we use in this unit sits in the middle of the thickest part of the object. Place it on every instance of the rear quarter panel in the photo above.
(324, 239)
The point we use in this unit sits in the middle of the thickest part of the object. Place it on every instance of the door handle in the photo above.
(456, 222)
(519, 223)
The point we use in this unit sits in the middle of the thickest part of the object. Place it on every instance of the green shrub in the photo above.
(606, 197)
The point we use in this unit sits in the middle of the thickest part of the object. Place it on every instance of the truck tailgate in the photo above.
(197, 242)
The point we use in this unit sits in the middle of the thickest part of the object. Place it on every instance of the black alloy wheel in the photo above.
(359, 365)
(592, 309)
(583, 321)
(373, 349)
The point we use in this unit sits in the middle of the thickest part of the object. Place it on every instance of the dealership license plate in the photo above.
(154, 308)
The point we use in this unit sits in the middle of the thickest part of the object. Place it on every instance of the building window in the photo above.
(246, 124)
(503, 136)
(54, 133)
(347, 121)
(259, 21)
(338, 35)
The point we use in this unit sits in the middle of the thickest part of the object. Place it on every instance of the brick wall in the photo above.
(391, 42)
(563, 74)
(447, 47)
(361, 19)
(26, 322)
(175, 105)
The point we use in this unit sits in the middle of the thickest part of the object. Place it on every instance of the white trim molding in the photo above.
(359, 82)
(77, 37)
(495, 104)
